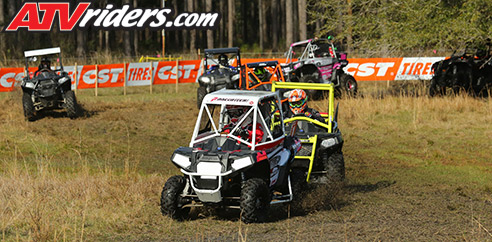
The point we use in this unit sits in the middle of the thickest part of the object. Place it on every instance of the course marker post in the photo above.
(75, 77)
(124, 79)
(177, 74)
(151, 76)
(97, 80)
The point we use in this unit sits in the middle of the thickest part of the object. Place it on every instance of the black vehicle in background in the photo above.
(46, 88)
(469, 71)
(219, 72)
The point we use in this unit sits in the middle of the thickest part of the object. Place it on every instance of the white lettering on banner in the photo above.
(416, 68)
(87, 77)
(351, 66)
(383, 67)
(185, 72)
(7, 82)
(368, 69)
(161, 72)
(104, 75)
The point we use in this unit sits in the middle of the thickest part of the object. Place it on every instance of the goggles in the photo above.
(297, 104)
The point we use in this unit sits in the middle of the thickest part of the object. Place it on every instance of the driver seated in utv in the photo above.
(298, 106)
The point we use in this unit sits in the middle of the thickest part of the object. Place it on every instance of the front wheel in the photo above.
(348, 85)
(201, 92)
(171, 201)
(334, 166)
(28, 106)
(255, 201)
(71, 104)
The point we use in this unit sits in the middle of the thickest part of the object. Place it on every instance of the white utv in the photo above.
(239, 157)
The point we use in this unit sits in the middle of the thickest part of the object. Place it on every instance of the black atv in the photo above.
(47, 89)
(218, 72)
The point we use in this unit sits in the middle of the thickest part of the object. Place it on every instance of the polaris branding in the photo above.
(40, 17)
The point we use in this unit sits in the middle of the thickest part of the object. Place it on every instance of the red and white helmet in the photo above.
(298, 101)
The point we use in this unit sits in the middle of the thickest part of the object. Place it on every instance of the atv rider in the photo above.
(298, 106)
(223, 63)
(44, 66)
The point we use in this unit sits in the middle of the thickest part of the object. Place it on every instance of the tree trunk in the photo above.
(349, 34)
(135, 33)
(289, 26)
(244, 30)
(81, 48)
(275, 26)
(230, 24)
(2, 23)
(210, 33)
(11, 13)
(127, 45)
(184, 36)
(282, 20)
(301, 9)
(106, 39)
(223, 25)
(261, 16)
(192, 32)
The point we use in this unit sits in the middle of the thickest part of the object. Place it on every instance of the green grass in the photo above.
(417, 169)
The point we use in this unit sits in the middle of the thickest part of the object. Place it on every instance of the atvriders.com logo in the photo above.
(40, 17)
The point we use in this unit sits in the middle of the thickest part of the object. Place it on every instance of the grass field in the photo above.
(418, 169)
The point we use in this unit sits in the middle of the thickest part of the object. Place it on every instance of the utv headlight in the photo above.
(205, 79)
(329, 142)
(241, 163)
(181, 160)
(29, 85)
(63, 79)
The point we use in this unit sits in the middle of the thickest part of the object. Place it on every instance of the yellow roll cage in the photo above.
(328, 116)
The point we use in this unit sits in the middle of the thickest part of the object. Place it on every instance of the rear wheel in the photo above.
(71, 104)
(171, 201)
(334, 166)
(312, 94)
(255, 201)
(200, 94)
(28, 106)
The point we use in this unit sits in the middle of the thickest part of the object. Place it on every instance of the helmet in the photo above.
(223, 60)
(260, 72)
(298, 101)
(45, 63)
(235, 111)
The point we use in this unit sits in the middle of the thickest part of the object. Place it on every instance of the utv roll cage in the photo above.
(31, 55)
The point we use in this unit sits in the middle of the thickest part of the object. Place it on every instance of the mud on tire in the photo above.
(28, 106)
(71, 104)
(255, 201)
(334, 166)
(171, 198)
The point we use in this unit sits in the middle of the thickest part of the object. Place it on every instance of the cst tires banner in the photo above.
(165, 72)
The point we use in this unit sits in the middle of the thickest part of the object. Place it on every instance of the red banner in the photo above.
(140, 74)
